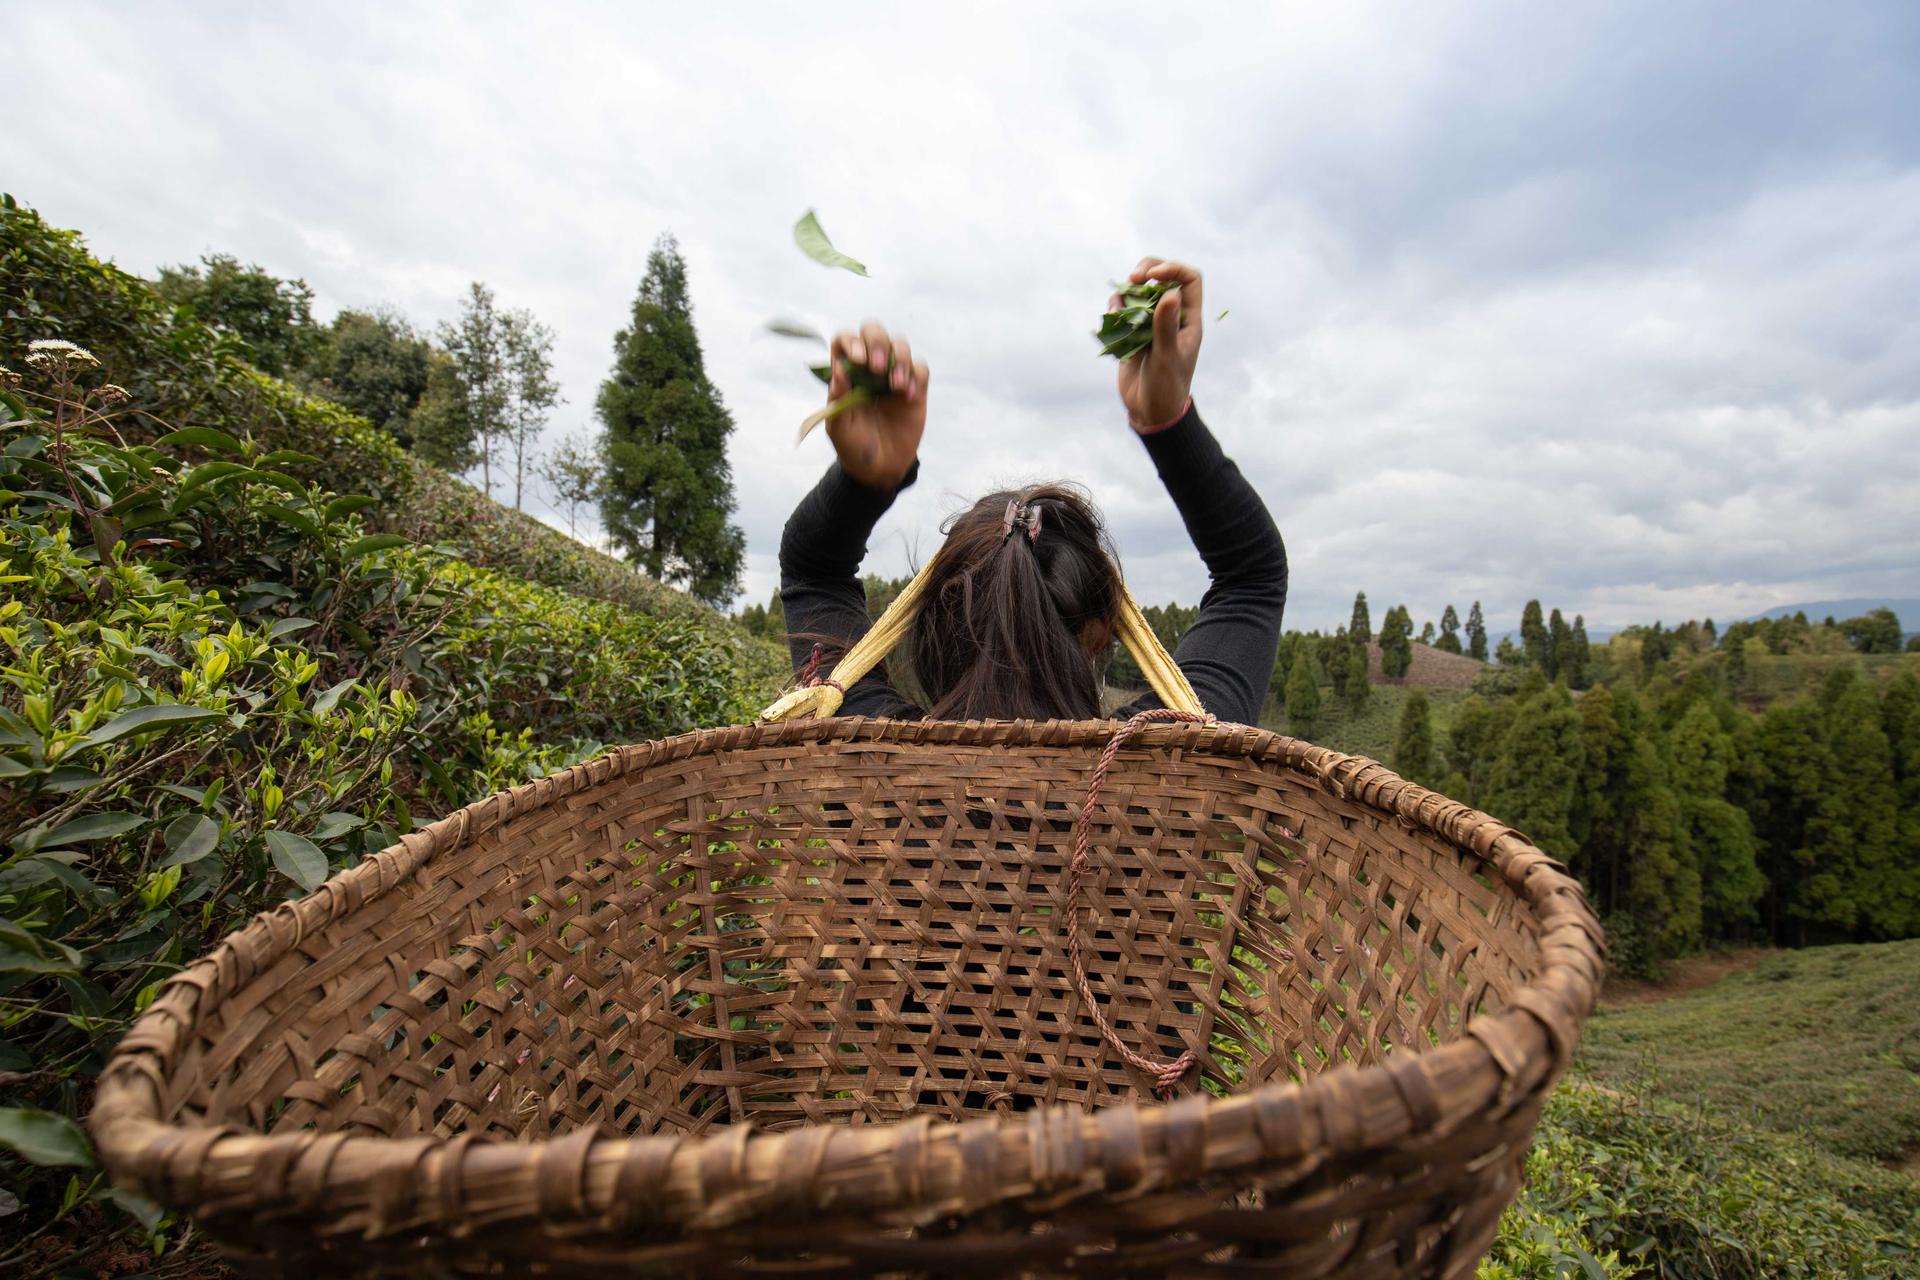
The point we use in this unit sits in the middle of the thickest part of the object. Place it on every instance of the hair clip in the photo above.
(1024, 515)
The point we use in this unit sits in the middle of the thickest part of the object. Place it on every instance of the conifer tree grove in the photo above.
(1719, 835)
(1476, 633)
(669, 487)
(1449, 641)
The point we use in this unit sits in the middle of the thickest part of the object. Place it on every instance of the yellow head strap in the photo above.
(824, 699)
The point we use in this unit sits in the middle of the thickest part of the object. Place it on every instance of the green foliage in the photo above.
(1877, 631)
(489, 400)
(1449, 641)
(373, 363)
(1476, 634)
(273, 317)
(1719, 833)
(1359, 684)
(669, 488)
(1822, 1042)
(1413, 740)
(1127, 330)
(575, 473)
(1303, 697)
(1536, 771)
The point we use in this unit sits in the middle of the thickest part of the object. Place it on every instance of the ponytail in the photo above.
(1020, 602)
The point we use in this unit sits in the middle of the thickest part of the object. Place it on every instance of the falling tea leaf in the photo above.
(794, 329)
(1222, 316)
(814, 243)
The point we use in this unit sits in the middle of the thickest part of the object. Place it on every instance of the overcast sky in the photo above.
(1615, 305)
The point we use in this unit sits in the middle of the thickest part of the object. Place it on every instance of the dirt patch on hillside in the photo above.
(1431, 668)
(1690, 974)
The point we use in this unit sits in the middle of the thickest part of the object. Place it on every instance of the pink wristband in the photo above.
(1170, 422)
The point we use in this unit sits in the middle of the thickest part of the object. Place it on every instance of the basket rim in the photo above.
(895, 1173)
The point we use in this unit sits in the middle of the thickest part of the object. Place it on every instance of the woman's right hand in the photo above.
(877, 442)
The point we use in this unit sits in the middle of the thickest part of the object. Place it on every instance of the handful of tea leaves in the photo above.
(1127, 332)
(864, 385)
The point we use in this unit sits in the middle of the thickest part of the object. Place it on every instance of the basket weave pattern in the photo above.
(797, 999)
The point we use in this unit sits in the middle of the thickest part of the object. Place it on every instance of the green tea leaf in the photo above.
(206, 437)
(207, 472)
(290, 627)
(190, 837)
(371, 543)
(149, 720)
(347, 504)
(328, 700)
(333, 825)
(95, 826)
(44, 1137)
(298, 859)
(814, 243)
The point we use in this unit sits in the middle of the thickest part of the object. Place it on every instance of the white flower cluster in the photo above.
(57, 352)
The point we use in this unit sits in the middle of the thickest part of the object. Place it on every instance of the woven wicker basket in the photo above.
(799, 999)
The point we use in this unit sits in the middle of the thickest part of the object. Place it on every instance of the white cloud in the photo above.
(1615, 307)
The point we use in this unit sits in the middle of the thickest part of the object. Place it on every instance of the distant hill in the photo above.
(1431, 668)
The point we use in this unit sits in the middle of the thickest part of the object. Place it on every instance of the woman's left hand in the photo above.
(1156, 384)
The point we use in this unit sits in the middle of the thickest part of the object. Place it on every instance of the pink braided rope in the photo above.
(1165, 1074)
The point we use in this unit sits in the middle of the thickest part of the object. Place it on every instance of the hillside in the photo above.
(1431, 668)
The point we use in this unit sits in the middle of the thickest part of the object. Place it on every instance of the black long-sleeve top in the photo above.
(1227, 654)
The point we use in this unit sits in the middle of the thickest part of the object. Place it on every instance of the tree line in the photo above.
(475, 395)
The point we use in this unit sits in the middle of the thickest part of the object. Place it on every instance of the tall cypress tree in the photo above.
(1360, 629)
(1535, 641)
(1476, 633)
(669, 486)
(1449, 641)
(1581, 674)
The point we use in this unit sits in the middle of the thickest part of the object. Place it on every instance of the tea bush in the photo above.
(221, 680)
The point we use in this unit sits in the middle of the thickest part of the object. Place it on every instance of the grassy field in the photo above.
(1822, 1043)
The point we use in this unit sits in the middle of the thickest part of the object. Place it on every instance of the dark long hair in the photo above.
(1003, 631)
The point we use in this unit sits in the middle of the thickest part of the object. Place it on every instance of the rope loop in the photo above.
(1165, 1074)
